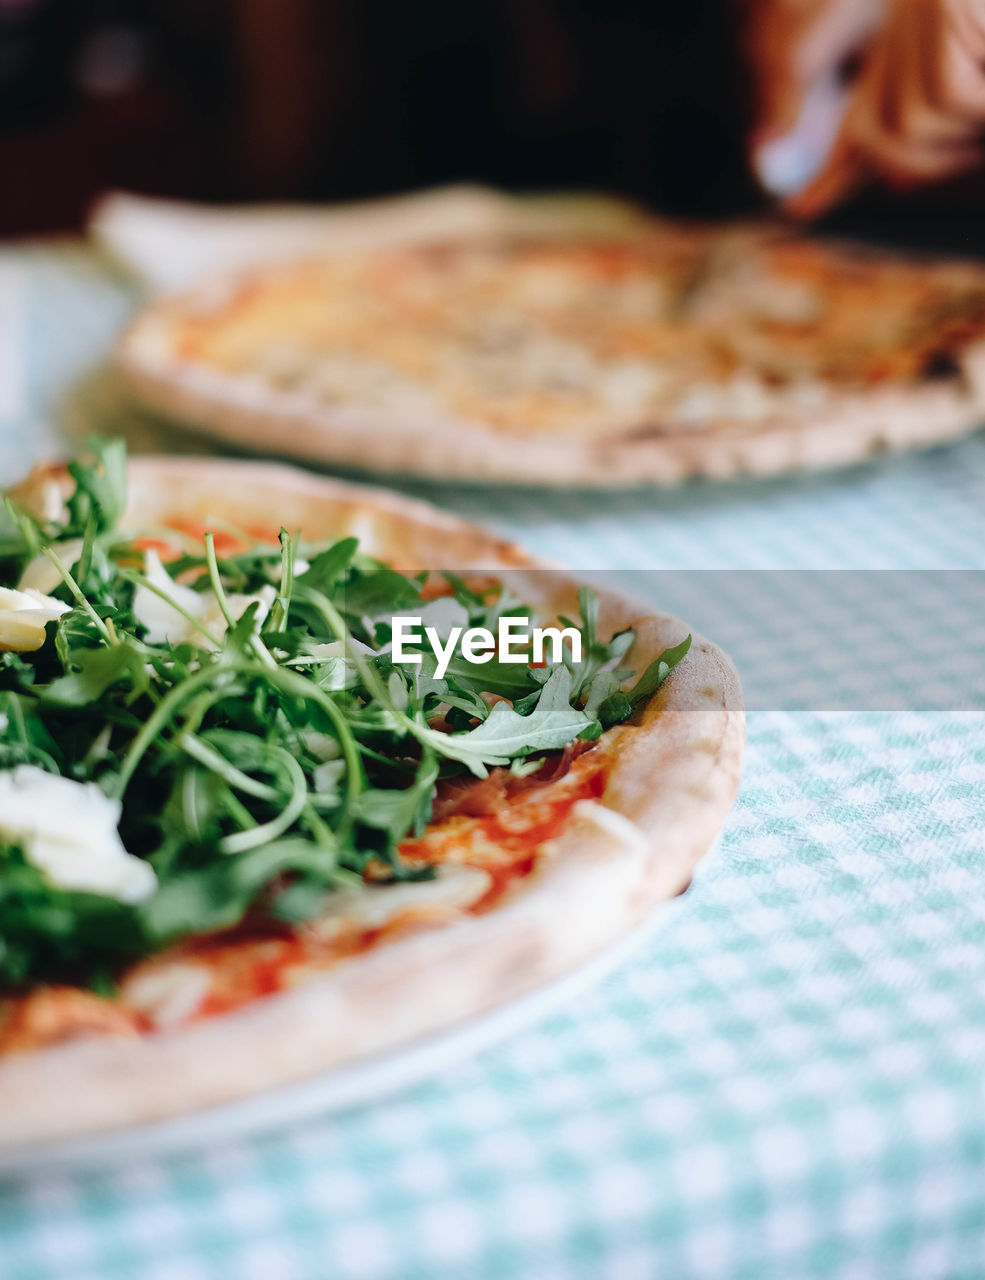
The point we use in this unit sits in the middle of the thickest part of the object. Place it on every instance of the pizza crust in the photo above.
(840, 425)
(169, 244)
(673, 779)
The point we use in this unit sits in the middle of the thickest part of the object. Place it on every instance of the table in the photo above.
(785, 1082)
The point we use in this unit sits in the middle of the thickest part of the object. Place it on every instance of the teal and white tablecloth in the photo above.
(788, 1081)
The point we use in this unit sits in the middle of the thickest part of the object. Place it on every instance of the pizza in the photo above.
(671, 351)
(244, 839)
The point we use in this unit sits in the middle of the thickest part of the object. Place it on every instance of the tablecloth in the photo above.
(786, 1081)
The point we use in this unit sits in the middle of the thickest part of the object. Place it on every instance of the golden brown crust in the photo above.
(678, 352)
(667, 792)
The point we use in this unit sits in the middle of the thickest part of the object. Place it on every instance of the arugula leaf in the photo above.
(507, 679)
(326, 568)
(400, 812)
(216, 896)
(51, 934)
(657, 672)
(369, 592)
(506, 734)
(100, 487)
(93, 671)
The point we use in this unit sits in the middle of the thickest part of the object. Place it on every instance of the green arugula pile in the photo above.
(263, 768)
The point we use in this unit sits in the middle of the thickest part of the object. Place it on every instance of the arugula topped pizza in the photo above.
(672, 351)
(240, 842)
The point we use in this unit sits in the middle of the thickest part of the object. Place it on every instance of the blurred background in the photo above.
(336, 99)
(233, 100)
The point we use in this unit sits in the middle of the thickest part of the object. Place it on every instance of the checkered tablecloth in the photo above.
(786, 1082)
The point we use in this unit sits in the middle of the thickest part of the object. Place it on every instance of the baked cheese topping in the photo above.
(673, 330)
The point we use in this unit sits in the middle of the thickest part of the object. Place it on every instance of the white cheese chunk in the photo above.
(50, 502)
(163, 622)
(322, 745)
(68, 831)
(455, 888)
(613, 824)
(167, 624)
(23, 615)
(41, 575)
(336, 670)
(338, 649)
(327, 774)
(214, 620)
(167, 994)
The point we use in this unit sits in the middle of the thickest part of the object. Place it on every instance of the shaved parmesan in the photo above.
(167, 625)
(23, 616)
(42, 575)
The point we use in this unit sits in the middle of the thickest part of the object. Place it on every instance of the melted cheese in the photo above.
(595, 339)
